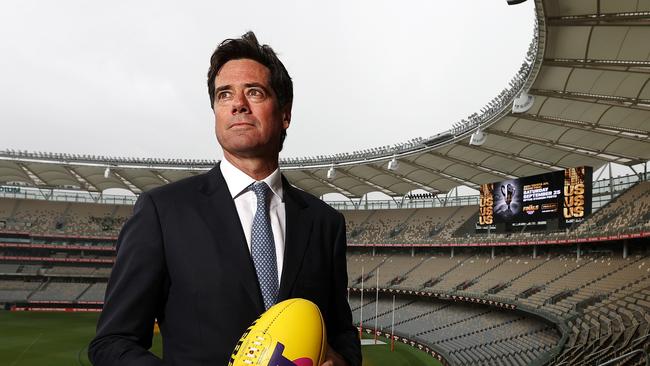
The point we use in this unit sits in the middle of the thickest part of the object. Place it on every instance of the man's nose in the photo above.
(240, 104)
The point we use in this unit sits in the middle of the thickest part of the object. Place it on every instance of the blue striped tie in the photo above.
(263, 247)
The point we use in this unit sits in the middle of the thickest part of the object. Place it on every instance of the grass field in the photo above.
(60, 339)
(404, 355)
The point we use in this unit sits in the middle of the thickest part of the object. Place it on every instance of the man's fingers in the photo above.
(333, 358)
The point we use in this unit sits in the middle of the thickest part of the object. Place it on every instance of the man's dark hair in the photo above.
(247, 47)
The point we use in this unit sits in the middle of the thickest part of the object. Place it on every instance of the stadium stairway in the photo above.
(406, 274)
(451, 324)
(369, 274)
(397, 231)
(41, 287)
(359, 229)
(388, 311)
(525, 273)
(83, 291)
(422, 314)
(439, 277)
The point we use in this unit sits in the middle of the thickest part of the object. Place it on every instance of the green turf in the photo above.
(52, 339)
(60, 339)
(403, 355)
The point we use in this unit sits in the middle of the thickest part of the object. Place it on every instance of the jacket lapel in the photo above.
(298, 228)
(220, 215)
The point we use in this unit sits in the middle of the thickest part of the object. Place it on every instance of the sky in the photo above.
(128, 79)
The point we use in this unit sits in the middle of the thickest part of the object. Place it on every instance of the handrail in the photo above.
(640, 350)
(541, 238)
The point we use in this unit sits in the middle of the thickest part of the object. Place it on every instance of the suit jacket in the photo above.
(182, 258)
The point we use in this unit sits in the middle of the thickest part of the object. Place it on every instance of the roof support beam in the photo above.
(583, 151)
(160, 176)
(421, 185)
(36, 180)
(367, 182)
(549, 166)
(613, 131)
(642, 104)
(461, 181)
(588, 63)
(329, 184)
(639, 18)
(130, 186)
(473, 164)
(84, 184)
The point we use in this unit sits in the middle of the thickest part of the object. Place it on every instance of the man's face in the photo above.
(248, 119)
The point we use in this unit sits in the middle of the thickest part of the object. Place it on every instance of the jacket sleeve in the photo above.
(342, 334)
(135, 293)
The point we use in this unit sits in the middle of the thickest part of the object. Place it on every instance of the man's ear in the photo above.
(286, 116)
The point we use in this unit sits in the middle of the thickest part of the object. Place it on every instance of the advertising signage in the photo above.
(562, 195)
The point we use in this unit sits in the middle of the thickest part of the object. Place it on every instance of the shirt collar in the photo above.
(238, 182)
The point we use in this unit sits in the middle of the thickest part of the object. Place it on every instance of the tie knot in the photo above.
(261, 190)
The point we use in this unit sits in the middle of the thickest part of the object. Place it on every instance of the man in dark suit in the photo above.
(190, 254)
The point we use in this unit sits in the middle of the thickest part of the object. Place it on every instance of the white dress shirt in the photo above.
(245, 199)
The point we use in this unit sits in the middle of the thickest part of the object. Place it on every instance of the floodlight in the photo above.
(393, 164)
(331, 173)
(478, 138)
(523, 102)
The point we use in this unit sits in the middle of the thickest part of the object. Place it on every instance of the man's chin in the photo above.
(250, 151)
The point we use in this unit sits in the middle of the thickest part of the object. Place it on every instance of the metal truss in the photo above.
(637, 18)
(642, 104)
(593, 63)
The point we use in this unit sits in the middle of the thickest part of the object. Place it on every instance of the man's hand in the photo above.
(332, 358)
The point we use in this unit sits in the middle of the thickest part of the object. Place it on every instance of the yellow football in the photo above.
(290, 333)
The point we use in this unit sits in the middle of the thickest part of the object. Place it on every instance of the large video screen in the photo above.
(563, 195)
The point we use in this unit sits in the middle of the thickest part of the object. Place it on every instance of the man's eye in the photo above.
(223, 95)
(255, 93)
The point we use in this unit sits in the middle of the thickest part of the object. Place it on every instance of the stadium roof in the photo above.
(583, 98)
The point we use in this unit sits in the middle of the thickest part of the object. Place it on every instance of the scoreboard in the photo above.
(563, 195)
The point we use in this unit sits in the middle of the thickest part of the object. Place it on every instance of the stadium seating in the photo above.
(47, 217)
(629, 210)
(603, 299)
(58, 291)
(405, 225)
(474, 335)
(16, 291)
